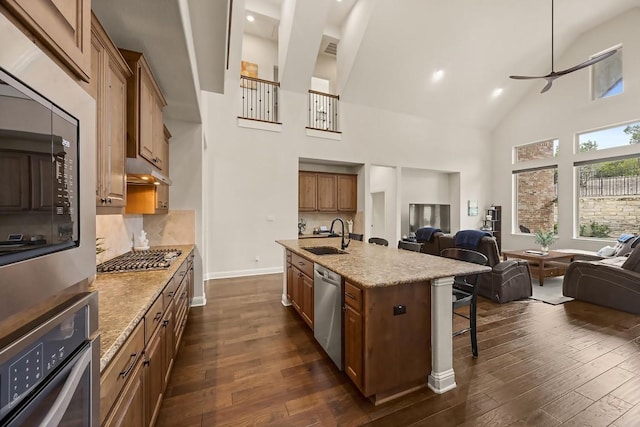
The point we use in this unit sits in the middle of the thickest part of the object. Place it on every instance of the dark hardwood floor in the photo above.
(247, 360)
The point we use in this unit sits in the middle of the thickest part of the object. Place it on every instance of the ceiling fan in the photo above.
(555, 74)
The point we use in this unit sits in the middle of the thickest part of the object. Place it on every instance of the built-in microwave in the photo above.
(39, 209)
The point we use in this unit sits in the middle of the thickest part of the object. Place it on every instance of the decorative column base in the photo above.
(442, 377)
(442, 382)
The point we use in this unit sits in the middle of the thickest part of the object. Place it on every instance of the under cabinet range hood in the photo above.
(140, 171)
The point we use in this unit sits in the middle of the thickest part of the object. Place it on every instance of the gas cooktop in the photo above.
(152, 259)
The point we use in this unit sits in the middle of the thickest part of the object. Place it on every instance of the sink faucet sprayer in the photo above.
(343, 245)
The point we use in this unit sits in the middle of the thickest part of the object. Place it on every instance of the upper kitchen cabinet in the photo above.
(63, 27)
(327, 192)
(145, 127)
(108, 86)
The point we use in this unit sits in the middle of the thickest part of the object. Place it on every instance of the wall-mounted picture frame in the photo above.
(248, 69)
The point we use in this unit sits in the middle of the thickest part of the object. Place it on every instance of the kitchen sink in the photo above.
(325, 250)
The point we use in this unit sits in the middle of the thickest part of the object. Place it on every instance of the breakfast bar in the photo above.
(406, 310)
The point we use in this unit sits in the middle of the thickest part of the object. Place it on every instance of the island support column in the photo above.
(285, 299)
(442, 377)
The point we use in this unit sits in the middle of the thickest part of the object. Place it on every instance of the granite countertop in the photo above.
(373, 266)
(124, 298)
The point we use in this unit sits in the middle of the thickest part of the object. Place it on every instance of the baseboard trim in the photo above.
(243, 273)
(198, 301)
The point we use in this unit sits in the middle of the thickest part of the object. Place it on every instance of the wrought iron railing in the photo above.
(323, 111)
(593, 185)
(259, 99)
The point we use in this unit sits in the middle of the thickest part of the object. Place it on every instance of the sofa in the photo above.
(613, 283)
(430, 239)
(509, 280)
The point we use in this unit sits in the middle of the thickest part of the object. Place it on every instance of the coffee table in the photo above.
(551, 264)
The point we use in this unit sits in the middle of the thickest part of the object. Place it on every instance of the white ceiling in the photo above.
(478, 44)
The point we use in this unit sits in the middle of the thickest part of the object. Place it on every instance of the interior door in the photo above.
(378, 217)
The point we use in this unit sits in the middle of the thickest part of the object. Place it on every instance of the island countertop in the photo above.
(372, 265)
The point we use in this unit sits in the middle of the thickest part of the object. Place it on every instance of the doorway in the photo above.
(378, 215)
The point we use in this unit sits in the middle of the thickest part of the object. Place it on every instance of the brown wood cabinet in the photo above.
(327, 192)
(147, 199)
(347, 193)
(353, 333)
(145, 127)
(108, 86)
(147, 357)
(300, 283)
(307, 191)
(63, 27)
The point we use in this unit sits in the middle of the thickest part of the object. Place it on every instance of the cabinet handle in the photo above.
(133, 358)
(350, 295)
(147, 362)
(165, 323)
(103, 200)
(109, 200)
(157, 316)
(300, 263)
(170, 294)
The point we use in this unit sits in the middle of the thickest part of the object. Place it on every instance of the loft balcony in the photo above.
(259, 99)
(323, 112)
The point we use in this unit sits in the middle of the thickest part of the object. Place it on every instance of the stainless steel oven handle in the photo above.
(329, 281)
(59, 407)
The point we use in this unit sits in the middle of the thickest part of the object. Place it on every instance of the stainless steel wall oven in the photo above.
(49, 369)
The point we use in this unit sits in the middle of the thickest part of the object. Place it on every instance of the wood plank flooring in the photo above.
(247, 360)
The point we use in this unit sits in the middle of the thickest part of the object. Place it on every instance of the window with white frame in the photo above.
(536, 199)
(606, 76)
(610, 137)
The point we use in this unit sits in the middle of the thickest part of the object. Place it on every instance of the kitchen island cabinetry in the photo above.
(397, 315)
(135, 373)
(300, 286)
(327, 192)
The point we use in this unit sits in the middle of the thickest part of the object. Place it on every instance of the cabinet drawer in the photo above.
(353, 296)
(153, 318)
(117, 374)
(302, 264)
(170, 290)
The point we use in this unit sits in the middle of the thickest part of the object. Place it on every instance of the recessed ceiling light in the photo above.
(250, 18)
(145, 178)
(437, 75)
(338, 1)
(496, 92)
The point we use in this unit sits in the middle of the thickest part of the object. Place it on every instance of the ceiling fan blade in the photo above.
(587, 63)
(528, 77)
(547, 86)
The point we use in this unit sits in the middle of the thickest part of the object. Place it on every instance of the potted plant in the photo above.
(544, 239)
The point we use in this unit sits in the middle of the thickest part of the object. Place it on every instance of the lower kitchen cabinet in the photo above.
(300, 285)
(353, 333)
(133, 384)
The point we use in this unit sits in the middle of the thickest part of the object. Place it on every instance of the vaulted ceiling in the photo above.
(477, 45)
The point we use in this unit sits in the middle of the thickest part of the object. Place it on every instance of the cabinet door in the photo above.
(116, 134)
(168, 340)
(290, 279)
(296, 293)
(158, 136)
(14, 181)
(162, 197)
(129, 408)
(153, 377)
(307, 299)
(307, 191)
(347, 193)
(42, 192)
(327, 193)
(353, 345)
(63, 26)
(146, 111)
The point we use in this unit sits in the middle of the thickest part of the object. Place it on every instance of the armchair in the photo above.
(605, 283)
(509, 280)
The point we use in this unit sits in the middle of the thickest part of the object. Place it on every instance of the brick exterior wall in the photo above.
(536, 190)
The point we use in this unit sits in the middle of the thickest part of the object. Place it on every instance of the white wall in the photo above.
(560, 113)
(260, 51)
(251, 175)
(384, 179)
(326, 68)
(422, 186)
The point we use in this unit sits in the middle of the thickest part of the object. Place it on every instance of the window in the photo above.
(617, 136)
(537, 150)
(608, 197)
(537, 199)
(606, 76)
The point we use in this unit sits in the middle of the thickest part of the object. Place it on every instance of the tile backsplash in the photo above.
(116, 232)
(174, 228)
(316, 219)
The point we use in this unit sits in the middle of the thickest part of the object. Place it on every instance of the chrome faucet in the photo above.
(343, 245)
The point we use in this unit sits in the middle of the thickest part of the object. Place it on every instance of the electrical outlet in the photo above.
(399, 309)
(257, 258)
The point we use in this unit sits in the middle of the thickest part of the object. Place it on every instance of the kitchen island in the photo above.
(398, 314)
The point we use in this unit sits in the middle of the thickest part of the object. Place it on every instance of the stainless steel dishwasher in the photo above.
(327, 312)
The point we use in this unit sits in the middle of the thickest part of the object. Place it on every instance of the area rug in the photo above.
(551, 292)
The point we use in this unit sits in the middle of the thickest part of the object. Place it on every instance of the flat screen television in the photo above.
(429, 215)
(39, 152)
